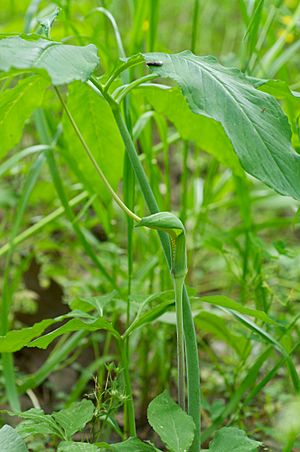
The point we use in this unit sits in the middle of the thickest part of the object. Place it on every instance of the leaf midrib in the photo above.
(227, 89)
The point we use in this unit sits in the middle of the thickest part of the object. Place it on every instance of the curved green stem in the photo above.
(193, 377)
(94, 162)
(122, 91)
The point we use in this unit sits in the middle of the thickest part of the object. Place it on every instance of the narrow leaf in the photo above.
(225, 302)
(70, 327)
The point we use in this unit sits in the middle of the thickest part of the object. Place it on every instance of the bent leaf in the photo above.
(168, 222)
(225, 302)
(63, 63)
(253, 120)
(70, 327)
(163, 221)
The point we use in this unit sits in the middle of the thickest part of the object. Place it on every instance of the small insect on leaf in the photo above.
(154, 63)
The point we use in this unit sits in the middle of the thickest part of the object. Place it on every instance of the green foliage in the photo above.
(62, 424)
(232, 439)
(117, 346)
(11, 441)
(173, 425)
(63, 63)
(16, 106)
(132, 445)
(253, 121)
(71, 446)
(96, 123)
(213, 139)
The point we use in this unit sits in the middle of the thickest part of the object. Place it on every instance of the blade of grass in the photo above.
(34, 229)
(271, 340)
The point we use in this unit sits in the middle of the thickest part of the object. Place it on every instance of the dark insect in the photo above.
(154, 63)
(263, 110)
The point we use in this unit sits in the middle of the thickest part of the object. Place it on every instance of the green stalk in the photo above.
(196, 11)
(178, 287)
(193, 379)
(129, 406)
(94, 162)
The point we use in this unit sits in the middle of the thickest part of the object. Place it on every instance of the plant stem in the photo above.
(94, 162)
(121, 92)
(178, 287)
(129, 422)
(193, 379)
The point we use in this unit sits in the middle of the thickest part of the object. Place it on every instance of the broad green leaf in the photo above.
(11, 441)
(171, 423)
(95, 121)
(63, 63)
(74, 418)
(230, 439)
(16, 106)
(207, 133)
(132, 445)
(70, 327)
(71, 446)
(252, 120)
(226, 302)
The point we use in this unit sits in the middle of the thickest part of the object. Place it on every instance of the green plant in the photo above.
(231, 115)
